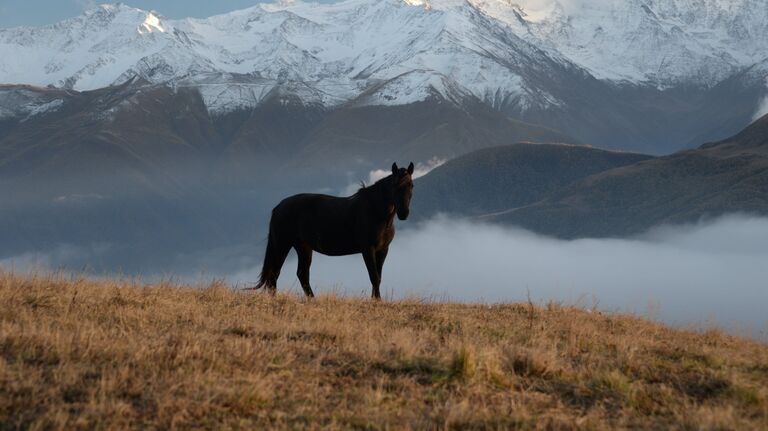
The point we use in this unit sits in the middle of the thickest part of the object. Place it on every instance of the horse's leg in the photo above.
(369, 256)
(277, 261)
(381, 256)
(305, 260)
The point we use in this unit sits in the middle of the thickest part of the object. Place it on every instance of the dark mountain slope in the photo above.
(365, 138)
(499, 178)
(644, 118)
(119, 140)
(147, 170)
(152, 137)
(730, 176)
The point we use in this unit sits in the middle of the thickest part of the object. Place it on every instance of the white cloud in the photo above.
(762, 109)
(708, 272)
(59, 257)
(419, 171)
(712, 272)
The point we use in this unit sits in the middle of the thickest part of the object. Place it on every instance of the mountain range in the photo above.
(645, 75)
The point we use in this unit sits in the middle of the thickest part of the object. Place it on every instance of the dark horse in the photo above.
(362, 223)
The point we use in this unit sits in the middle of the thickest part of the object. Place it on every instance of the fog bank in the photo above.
(704, 274)
(762, 109)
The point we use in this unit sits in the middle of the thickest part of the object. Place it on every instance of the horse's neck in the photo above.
(376, 200)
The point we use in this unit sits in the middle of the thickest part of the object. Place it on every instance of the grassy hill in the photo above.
(78, 353)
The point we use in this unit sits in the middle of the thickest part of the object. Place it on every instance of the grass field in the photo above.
(79, 353)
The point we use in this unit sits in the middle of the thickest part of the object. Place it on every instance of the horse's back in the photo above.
(307, 204)
(320, 221)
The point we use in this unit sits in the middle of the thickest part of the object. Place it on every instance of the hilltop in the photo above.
(725, 177)
(79, 353)
(511, 176)
(572, 191)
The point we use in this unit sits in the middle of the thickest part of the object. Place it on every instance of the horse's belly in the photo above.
(331, 244)
(336, 249)
(338, 252)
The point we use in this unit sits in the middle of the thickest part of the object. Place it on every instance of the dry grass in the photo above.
(113, 355)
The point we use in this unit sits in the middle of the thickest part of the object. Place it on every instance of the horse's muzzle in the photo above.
(403, 215)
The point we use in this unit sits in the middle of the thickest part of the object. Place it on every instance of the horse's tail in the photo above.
(268, 276)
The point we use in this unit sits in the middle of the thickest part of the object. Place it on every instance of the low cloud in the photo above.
(762, 109)
(700, 274)
(64, 256)
(419, 171)
(711, 273)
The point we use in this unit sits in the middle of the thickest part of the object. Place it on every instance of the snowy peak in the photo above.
(399, 50)
(112, 18)
(661, 42)
(86, 52)
(151, 23)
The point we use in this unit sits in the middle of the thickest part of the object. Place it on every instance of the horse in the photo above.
(334, 226)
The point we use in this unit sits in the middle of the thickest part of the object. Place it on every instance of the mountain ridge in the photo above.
(492, 180)
(336, 41)
(725, 177)
(559, 66)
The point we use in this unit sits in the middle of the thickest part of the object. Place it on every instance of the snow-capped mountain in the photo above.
(646, 75)
(332, 53)
(660, 42)
(327, 54)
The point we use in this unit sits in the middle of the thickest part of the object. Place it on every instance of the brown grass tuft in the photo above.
(85, 354)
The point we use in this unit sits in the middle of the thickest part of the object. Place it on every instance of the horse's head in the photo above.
(402, 190)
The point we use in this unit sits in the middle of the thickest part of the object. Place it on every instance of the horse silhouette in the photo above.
(362, 223)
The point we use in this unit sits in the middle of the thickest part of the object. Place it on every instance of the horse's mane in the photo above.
(364, 190)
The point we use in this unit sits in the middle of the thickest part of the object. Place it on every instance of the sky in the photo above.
(15, 13)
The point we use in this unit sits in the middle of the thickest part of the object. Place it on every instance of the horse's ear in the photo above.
(395, 168)
(410, 169)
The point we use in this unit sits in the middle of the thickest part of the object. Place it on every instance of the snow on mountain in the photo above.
(413, 87)
(662, 42)
(86, 52)
(393, 51)
(25, 103)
